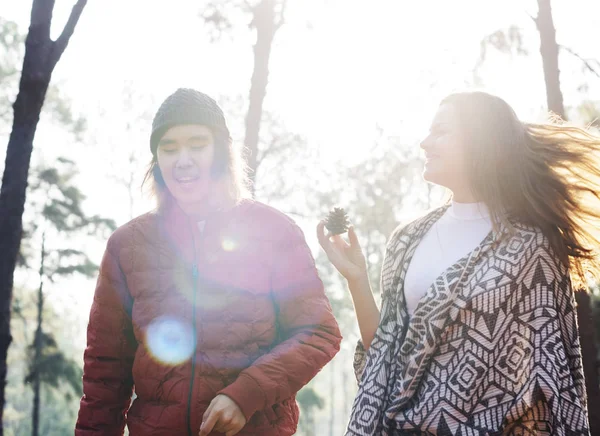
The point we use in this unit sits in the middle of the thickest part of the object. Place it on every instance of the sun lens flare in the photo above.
(170, 340)
(229, 244)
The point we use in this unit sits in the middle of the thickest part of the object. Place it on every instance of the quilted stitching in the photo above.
(256, 274)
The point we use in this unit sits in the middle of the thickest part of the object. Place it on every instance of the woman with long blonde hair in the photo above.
(477, 331)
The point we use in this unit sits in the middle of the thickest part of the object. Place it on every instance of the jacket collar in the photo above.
(184, 232)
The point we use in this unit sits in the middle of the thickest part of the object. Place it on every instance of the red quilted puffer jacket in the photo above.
(185, 311)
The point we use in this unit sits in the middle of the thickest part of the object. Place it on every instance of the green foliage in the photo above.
(308, 399)
(375, 193)
(54, 195)
(59, 394)
(55, 367)
(11, 56)
(54, 206)
(508, 41)
(54, 218)
(309, 402)
(84, 267)
(223, 19)
(589, 113)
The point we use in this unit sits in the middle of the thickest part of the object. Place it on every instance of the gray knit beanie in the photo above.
(186, 106)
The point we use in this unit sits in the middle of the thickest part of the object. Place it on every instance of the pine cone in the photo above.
(337, 221)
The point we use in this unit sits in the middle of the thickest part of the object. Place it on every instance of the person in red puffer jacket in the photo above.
(210, 306)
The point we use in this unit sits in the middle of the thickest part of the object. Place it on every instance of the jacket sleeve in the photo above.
(309, 332)
(108, 358)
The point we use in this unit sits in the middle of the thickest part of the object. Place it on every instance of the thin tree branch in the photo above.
(281, 21)
(249, 7)
(266, 152)
(300, 215)
(63, 39)
(5, 113)
(586, 62)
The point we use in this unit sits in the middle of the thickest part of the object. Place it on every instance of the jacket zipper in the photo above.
(195, 336)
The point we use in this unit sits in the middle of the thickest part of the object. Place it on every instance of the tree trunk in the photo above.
(589, 357)
(549, 52)
(332, 399)
(346, 380)
(12, 200)
(41, 56)
(37, 345)
(264, 21)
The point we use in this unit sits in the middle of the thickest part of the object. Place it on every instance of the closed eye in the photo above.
(168, 150)
(438, 129)
(199, 141)
(198, 146)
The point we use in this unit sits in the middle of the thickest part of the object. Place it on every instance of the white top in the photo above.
(458, 232)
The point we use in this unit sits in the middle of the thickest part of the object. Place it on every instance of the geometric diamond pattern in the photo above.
(492, 347)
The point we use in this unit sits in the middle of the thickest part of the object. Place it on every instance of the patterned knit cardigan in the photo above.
(491, 349)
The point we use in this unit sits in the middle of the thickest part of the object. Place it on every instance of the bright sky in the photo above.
(338, 68)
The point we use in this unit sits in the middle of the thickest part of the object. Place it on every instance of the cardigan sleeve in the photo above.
(388, 296)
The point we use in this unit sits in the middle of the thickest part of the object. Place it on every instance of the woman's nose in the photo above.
(184, 158)
(426, 143)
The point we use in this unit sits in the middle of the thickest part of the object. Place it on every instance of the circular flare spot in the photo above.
(169, 340)
(228, 244)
